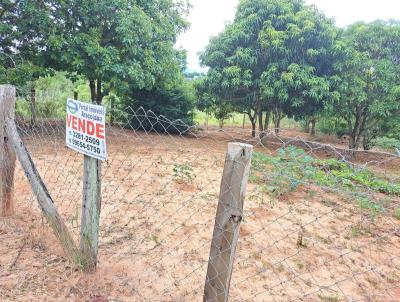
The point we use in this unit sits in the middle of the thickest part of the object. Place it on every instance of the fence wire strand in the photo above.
(321, 223)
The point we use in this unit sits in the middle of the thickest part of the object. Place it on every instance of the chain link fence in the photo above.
(320, 223)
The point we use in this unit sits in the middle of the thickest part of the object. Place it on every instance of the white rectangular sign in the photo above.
(86, 131)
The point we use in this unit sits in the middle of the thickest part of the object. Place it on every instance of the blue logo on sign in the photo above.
(72, 107)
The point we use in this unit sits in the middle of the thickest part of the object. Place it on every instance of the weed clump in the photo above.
(293, 167)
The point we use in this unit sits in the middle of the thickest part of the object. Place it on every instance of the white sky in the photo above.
(209, 17)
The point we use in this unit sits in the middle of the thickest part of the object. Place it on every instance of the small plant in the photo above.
(293, 167)
(300, 265)
(183, 173)
(156, 240)
(397, 213)
(355, 232)
(329, 298)
(373, 207)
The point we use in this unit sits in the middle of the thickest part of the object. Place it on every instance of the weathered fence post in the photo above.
(7, 154)
(227, 222)
(43, 197)
(33, 107)
(90, 212)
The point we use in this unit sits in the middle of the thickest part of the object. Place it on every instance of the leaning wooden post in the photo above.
(227, 222)
(7, 154)
(43, 197)
(90, 212)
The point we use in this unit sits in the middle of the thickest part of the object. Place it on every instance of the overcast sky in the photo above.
(209, 17)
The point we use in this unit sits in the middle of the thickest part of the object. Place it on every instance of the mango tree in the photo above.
(368, 79)
(275, 58)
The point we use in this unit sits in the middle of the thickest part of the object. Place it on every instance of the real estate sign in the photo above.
(86, 129)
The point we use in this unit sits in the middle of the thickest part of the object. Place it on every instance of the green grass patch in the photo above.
(236, 120)
(292, 167)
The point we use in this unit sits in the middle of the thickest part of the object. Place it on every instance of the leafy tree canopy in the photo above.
(368, 78)
(21, 27)
(275, 56)
(124, 43)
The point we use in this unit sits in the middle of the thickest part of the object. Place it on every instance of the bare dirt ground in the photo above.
(156, 231)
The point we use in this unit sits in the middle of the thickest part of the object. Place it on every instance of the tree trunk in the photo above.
(92, 86)
(354, 142)
(260, 121)
(33, 107)
(277, 117)
(313, 123)
(260, 124)
(112, 110)
(253, 120)
(266, 122)
(307, 128)
(75, 95)
(355, 135)
(96, 93)
(277, 124)
(244, 120)
(99, 93)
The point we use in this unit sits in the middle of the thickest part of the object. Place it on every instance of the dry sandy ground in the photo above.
(156, 232)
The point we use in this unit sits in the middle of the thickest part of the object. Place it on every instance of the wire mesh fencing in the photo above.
(319, 223)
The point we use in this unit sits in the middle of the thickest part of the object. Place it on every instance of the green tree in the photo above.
(368, 79)
(210, 103)
(20, 41)
(273, 59)
(117, 43)
(22, 28)
(171, 97)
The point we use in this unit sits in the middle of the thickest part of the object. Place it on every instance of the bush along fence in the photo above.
(319, 223)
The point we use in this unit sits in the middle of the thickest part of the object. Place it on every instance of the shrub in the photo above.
(164, 110)
(183, 173)
(387, 143)
(333, 126)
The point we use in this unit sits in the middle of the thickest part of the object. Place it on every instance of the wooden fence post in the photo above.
(33, 107)
(227, 222)
(7, 154)
(90, 213)
(43, 197)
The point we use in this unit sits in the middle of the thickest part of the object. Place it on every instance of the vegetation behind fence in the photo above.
(318, 223)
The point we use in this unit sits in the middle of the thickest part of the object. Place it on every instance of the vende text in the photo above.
(85, 126)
